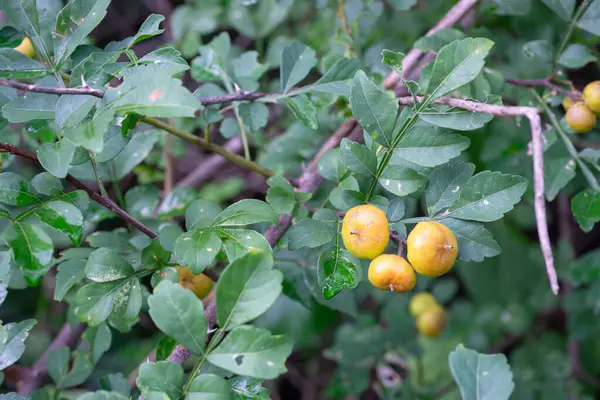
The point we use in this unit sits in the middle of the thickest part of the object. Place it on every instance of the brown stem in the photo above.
(52, 90)
(38, 374)
(102, 200)
(546, 82)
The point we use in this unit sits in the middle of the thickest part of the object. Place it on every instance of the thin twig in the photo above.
(546, 82)
(412, 57)
(102, 200)
(235, 158)
(532, 114)
(38, 374)
(52, 90)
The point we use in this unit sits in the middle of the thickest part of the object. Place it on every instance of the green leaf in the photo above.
(254, 115)
(457, 64)
(150, 90)
(586, 269)
(310, 233)
(557, 174)
(247, 288)
(162, 376)
(74, 23)
(180, 314)
(47, 184)
(238, 242)
(337, 269)
(16, 191)
(72, 109)
(209, 387)
(167, 56)
(373, 108)
(395, 210)
(24, 14)
(445, 183)
(474, 241)
(358, 158)
(254, 352)
(149, 29)
(438, 40)
(115, 382)
(429, 146)
(134, 153)
(201, 214)
(197, 249)
(487, 196)
(32, 249)
(65, 217)
(106, 265)
(296, 62)
(576, 56)
(304, 110)
(330, 167)
(99, 340)
(30, 107)
(177, 201)
(102, 395)
(141, 201)
(481, 376)
(14, 342)
(96, 301)
(564, 8)
(70, 273)
(281, 195)
(154, 255)
(258, 20)
(58, 367)
(586, 209)
(247, 388)
(460, 120)
(590, 19)
(89, 133)
(401, 180)
(14, 65)
(338, 77)
(246, 212)
(403, 5)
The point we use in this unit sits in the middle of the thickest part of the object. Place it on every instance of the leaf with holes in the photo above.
(253, 352)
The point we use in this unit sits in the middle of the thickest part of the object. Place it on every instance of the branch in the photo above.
(447, 21)
(547, 82)
(52, 90)
(38, 374)
(102, 200)
(241, 95)
(235, 158)
(537, 138)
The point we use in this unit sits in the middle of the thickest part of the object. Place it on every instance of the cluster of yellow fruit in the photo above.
(200, 284)
(581, 115)
(26, 47)
(431, 248)
(430, 316)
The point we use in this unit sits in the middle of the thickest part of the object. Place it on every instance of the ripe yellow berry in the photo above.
(200, 285)
(431, 322)
(392, 272)
(365, 231)
(421, 302)
(580, 118)
(431, 248)
(567, 103)
(591, 95)
(26, 47)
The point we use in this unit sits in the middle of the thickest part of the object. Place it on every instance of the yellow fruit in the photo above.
(392, 272)
(567, 103)
(591, 95)
(431, 321)
(580, 118)
(421, 302)
(365, 231)
(200, 285)
(26, 47)
(431, 248)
